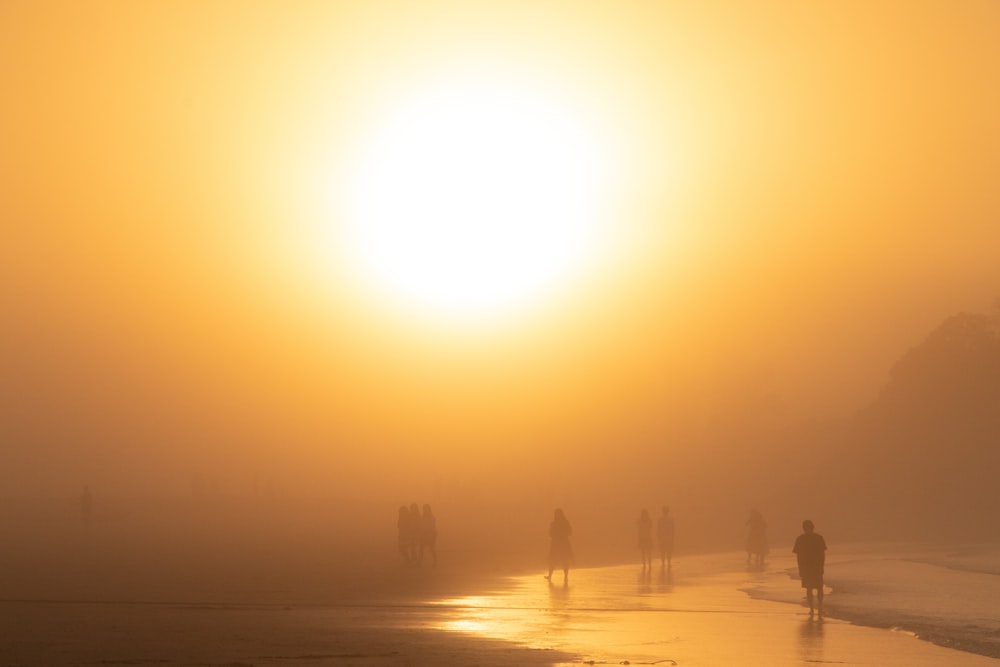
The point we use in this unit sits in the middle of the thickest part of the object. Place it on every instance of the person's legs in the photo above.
(819, 598)
(809, 597)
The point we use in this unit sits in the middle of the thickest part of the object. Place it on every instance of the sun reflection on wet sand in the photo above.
(695, 615)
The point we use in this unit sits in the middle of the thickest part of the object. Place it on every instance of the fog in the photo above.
(803, 321)
(914, 465)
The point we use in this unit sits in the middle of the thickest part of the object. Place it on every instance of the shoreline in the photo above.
(379, 613)
(894, 587)
(698, 615)
(57, 634)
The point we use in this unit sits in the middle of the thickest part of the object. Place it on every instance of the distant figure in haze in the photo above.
(665, 536)
(560, 551)
(756, 539)
(86, 504)
(810, 549)
(645, 525)
(428, 535)
(403, 533)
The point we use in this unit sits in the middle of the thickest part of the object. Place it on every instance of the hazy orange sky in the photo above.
(801, 192)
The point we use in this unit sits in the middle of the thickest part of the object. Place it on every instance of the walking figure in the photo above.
(560, 550)
(756, 539)
(810, 549)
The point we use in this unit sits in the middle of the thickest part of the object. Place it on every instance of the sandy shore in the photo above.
(945, 595)
(61, 633)
(694, 615)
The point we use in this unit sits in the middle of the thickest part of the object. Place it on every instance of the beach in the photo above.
(706, 610)
(697, 614)
(945, 595)
(328, 325)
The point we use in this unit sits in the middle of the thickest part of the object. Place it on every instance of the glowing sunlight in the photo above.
(394, 332)
(474, 198)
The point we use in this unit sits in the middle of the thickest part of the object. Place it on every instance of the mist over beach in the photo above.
(315, 319)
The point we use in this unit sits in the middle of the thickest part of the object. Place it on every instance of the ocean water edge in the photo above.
(946, 595)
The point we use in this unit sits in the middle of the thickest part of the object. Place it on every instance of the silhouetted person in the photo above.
(665, 536)
(560, 550)
(810, 549)
(86, 504)
(645, 526)
(428, 535)
(756, 539)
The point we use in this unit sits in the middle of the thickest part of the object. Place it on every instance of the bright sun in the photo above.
(472, 199)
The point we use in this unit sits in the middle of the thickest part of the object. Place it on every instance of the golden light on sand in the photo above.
(270, 271)
(474, 197)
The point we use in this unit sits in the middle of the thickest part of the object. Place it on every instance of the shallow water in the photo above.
(949, 596)
(700, 613)
(696, 614)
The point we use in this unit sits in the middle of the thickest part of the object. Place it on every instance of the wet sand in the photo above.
(694, 615)
(61, 633)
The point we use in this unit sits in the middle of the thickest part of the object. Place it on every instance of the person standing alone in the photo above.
(810, 550)
(560, 551)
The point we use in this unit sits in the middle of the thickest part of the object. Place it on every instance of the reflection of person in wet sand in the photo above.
(810, 549)
(756, 539)
(645, 539)
(560, 550)
(665, 535)
(428, 535)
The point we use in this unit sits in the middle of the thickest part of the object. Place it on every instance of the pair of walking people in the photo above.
(664, 538)
(561, 551)
(417, 533)
(810, 554)
(809, 549)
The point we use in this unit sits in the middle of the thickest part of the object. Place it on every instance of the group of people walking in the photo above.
(809, 549)
(417, 532)
(664, 538)
(810, 555)
(561, 551)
